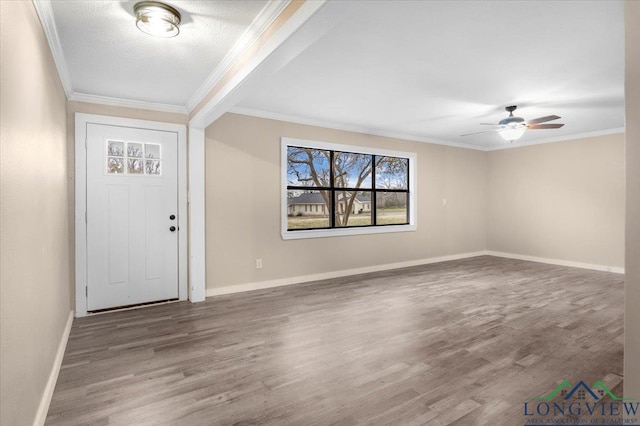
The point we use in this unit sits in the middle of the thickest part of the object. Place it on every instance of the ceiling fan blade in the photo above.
(477, 133)
(544, 126)
(543, 119)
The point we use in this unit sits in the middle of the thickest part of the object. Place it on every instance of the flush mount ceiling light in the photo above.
(157, 19)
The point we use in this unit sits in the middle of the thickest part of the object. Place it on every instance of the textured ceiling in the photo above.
(106, 54)
(424, 70)
(434, 70)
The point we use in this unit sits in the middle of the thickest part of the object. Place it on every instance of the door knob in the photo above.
(172, 217)
(172, 229)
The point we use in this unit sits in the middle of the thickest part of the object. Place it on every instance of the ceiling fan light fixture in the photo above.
(157, 19)
(512, 128)
(512, 133)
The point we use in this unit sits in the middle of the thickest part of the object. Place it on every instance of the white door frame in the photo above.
(82, 120)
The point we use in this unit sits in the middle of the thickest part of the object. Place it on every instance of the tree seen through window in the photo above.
(334, 189)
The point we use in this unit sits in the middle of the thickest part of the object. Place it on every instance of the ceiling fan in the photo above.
(512, 128)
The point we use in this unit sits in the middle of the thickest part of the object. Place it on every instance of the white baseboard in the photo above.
(43, 408)
(615, 269)
(260, 285)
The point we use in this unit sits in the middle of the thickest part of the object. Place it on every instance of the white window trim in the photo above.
(334, 232)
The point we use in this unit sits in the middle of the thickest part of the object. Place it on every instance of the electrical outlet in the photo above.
(258, 263)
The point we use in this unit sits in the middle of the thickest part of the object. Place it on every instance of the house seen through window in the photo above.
(334, 189)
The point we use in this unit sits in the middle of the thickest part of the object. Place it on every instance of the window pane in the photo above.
(392, 173)
(391, 208)
(307, 167)
(152, 167)
(152, 150)
(134, 166)
(308, 209)
(115, 165)
(115, 149)
(353, 208)
(134, 150)
(352, 170)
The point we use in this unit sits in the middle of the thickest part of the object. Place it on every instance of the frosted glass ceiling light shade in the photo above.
(512, 133)
(157, 19)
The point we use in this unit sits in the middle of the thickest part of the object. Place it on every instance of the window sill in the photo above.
(323, 233)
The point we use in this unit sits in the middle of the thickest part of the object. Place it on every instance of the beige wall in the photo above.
(563, 201)
(242, 154)
(98, 109)
(34, 271)
(632, 279)
(243, 205)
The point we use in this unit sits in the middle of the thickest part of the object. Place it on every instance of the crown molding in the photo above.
(127, 103)
(45, 13)
(261, 22)
(348, 127)
(398, 135)
(575, 136)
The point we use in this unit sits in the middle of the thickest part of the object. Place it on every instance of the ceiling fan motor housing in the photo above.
(511, 121)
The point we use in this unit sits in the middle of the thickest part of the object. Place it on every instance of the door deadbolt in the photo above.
(172, 217)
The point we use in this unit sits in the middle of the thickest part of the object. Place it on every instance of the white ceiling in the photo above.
(424, 70)
(106, 55)
(436, 69)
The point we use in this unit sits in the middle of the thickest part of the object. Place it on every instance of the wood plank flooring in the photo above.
(462, 342)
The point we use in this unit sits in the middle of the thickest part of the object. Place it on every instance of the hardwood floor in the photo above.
(462, 342)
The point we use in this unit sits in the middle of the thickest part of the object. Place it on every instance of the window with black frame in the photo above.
(329, 189)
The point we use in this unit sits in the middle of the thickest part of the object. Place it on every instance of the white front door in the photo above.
(132, 216)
